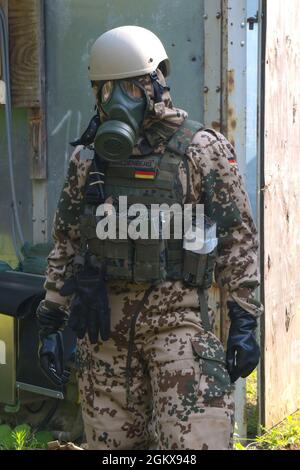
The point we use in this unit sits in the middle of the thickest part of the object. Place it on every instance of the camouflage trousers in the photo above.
(178, 393)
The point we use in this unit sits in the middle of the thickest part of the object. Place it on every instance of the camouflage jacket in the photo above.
(214, 173)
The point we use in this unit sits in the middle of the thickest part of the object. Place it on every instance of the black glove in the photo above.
(89, 310)
(243, 352)
(51, 320)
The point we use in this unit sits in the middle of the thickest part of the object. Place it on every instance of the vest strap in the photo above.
(204, 310)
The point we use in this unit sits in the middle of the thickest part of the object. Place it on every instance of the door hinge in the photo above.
(252, 20)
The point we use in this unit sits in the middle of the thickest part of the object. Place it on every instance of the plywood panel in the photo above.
(26, 35)
(281, 377)
(25, 51)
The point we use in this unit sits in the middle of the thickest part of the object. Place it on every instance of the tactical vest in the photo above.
(151, 179)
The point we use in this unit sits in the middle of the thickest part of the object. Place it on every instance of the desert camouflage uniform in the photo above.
(176, 392)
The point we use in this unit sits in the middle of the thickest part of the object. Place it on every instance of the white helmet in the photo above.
(127, 51)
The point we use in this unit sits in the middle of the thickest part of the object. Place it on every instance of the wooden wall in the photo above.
(281, 212)
(27, 69)
(26, 44)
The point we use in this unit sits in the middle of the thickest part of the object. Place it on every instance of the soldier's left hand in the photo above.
(243, 352)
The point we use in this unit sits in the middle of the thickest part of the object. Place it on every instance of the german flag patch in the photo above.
(232, 161)
(145, 174)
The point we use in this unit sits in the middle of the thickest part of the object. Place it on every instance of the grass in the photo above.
(285, 436)
(252, 405)
(22, 438)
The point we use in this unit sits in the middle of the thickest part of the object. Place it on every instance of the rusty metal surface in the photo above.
(212, 63)
(234, 76)
(252, 103)
(233, 104)
(233, 125)
(281, 213)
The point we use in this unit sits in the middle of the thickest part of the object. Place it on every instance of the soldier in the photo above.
(157, 372)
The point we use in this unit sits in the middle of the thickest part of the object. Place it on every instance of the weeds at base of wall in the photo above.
(22, 438)
(285, 436)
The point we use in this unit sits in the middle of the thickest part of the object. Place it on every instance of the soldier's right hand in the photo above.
(51, 320)
(51, 356)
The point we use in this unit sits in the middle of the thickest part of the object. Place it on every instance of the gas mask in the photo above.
(124, 104)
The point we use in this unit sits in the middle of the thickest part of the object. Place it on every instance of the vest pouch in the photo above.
(149, 260)
(209, 273)
(88, 231)
(97, 247)
(174, 259)
(214, 377)
(200, 253)
(198, 268)
(119, 257)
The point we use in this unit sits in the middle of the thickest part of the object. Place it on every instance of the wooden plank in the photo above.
(37, 122)
(26, 44)
(37, 143)
(26, 26)
(281, 372)
(39, 211)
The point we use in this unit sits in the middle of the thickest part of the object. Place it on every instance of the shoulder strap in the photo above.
(184, 136)
(94, 191)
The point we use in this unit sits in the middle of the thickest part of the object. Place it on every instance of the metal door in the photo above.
(71, 28)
